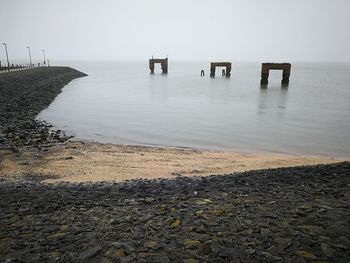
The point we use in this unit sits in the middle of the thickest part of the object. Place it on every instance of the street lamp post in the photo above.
(7, 56)
(44, 57)
(30, 57)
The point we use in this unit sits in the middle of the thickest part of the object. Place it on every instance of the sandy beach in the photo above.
(81, 161)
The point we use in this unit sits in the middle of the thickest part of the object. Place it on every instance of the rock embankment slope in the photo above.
(23, 95)
(298, 214)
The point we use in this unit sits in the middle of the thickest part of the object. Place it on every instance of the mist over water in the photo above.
(122, 103)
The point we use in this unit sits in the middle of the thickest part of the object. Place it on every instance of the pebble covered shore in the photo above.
(23, 95)
(299, 214)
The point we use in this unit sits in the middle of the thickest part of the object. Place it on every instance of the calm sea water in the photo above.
(122, 103)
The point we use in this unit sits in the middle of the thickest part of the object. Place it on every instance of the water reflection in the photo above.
(158, 87)
(272, 99)
(220, 90)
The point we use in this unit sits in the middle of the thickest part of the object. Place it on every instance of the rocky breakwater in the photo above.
(23, 95)
(299, 214)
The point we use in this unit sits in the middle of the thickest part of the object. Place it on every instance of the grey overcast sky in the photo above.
(239, 30)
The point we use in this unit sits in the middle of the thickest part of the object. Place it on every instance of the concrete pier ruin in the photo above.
(227, 65)
(265, 71)
(162, 61)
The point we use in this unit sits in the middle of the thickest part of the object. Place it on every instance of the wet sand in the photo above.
(80, 161)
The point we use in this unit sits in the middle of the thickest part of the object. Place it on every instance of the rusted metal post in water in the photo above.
(227, 65)
(162, 61)
(265, 71)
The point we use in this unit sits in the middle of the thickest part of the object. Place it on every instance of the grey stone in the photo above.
(90, 252)
(226, 252)
(327, 250)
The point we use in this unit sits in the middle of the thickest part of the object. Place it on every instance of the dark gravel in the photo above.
(297, 214)
(23, 95)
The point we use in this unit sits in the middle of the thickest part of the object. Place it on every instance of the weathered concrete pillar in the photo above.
(162, 62)
(265, 71)
(264, 79)
(228, 71)
(285, 76)
(212, 71)
(227, 65)
(151, 66)
(264, 74)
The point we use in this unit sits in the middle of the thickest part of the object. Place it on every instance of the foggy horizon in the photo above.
(239, 31)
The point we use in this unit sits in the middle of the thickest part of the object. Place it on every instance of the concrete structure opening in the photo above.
(162, 61)
(265, 71)
(227, 65)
